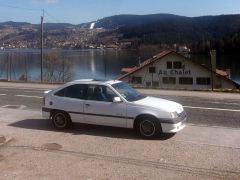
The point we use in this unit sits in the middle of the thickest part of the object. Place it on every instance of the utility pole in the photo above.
(42, 46)
(26, 70)
(213, 54)
(63, 79)
(105, 68)
(8, 66)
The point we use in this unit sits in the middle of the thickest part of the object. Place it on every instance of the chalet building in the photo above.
(170, 70)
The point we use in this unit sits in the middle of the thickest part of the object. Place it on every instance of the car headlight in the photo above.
(174, 115)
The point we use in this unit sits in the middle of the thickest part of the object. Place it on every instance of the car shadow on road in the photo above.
(84, 129)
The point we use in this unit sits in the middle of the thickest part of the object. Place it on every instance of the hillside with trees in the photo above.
(200, 34)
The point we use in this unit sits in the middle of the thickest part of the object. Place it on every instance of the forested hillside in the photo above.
(198, 33)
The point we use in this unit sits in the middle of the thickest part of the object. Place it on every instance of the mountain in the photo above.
(200, 33)
(47, 26)
(164, 30)
(117, 21)
(13, 24)
(214, 25)
(52, 26)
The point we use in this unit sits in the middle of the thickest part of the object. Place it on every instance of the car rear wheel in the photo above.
(61, 120)
(149, 128)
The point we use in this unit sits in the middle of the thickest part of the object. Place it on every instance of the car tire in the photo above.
(149, 128)
(61, 120)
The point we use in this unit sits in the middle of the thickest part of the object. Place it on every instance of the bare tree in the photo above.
(56, 68)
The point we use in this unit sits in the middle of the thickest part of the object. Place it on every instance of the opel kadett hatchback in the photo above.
(112, 103)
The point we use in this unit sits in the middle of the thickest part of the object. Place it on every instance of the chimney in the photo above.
(213, 54)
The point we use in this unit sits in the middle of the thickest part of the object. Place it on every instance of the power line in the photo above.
(52, 17)
(17, 7)
(31, 9)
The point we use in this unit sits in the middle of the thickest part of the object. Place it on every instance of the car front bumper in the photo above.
(173, 128)
(45, 113)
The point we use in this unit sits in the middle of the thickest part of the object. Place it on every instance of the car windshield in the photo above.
(127, 92)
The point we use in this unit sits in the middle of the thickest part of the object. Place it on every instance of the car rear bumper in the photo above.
(173, 128)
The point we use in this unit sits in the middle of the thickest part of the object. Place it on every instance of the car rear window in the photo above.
(74, 91)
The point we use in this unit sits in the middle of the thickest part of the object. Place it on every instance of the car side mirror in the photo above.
(117, 100)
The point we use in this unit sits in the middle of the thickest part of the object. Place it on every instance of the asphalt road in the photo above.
(209, 111)
(208, 148)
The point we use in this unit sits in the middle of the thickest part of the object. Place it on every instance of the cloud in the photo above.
(46, 1)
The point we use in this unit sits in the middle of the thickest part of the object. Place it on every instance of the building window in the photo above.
(148, 84)
(177, 65)
(152, 70)
(186, 80)
(174, 65)
(169, 80)
(136, 80)
(203, 81)
(169, 65)
(155, 83)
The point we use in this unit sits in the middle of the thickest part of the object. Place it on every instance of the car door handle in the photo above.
(87, 105)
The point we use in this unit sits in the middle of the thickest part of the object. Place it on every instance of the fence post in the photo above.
(7, 66)
(63, 70)
(10, 67)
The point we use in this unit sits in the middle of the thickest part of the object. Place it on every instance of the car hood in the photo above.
(159, 103)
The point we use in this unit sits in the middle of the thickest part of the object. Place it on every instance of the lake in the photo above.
(89, 63)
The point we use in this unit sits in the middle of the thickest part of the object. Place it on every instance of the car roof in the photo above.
(94, 81)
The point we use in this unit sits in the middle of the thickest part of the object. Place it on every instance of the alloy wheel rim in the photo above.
(60, 120)
(147, 128)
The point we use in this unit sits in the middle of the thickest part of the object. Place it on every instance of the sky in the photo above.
(80, 11)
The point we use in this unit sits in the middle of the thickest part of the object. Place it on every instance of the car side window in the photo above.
(60, 93)
(100, 93)
(110, 94)
(74, 91)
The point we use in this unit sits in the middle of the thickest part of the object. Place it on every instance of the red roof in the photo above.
(145, 63)
(222, 72)
(127, 70)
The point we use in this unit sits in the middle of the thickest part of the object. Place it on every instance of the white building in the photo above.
(170, 70)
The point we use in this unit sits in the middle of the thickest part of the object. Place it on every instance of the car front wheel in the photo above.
(148, 128)
(61, 120)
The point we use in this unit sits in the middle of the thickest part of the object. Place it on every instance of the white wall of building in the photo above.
(189, 69)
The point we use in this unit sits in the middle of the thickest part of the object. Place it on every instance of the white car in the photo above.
(112, 103)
